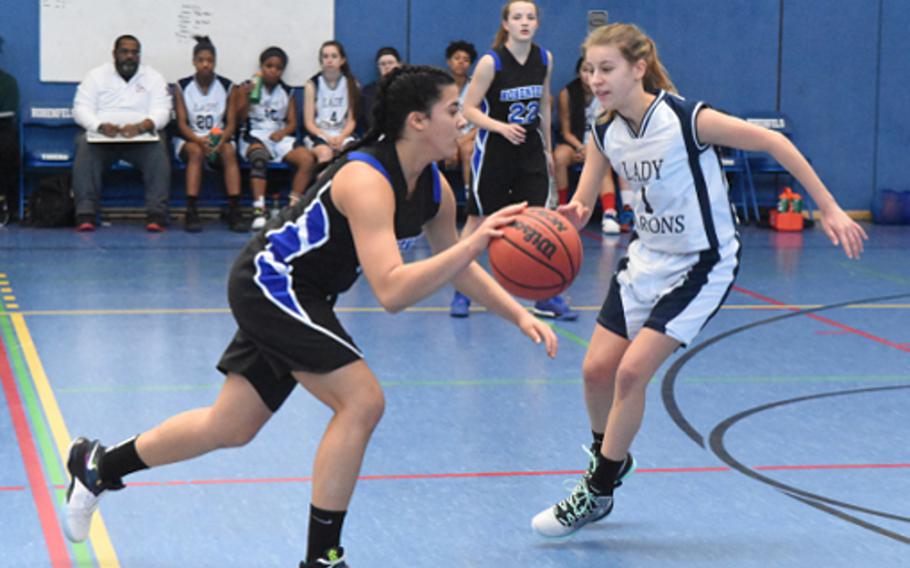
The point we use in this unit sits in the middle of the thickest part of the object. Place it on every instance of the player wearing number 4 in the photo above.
(682, 264)
(508, 100)
(203, 103)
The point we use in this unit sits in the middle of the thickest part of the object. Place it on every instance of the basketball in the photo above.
(538, 255)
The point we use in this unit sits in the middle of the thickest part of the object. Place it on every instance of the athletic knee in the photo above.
(598, 373)
(366, 410)
(630, 381)
(237, 436)
(259, 159)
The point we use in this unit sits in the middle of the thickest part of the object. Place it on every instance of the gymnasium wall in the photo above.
(837, 69)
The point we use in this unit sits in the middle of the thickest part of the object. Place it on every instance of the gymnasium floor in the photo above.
(778, 439)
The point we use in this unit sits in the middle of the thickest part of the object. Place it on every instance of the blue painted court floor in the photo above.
(779, 438)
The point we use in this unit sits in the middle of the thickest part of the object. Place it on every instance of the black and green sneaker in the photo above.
(333, 558)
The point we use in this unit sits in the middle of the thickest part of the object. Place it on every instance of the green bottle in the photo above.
(256, 91)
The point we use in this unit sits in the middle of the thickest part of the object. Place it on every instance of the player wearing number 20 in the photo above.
(203, 105)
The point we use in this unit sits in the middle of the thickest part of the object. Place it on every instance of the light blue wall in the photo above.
(838, 69)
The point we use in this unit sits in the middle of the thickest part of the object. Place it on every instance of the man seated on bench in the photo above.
(122, 106)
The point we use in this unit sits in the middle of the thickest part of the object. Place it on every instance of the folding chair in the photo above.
(46, 137)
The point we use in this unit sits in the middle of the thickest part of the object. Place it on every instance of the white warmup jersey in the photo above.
(271, 112)
(265, 117)
(205, 110)
(331, 105)
(681, 202)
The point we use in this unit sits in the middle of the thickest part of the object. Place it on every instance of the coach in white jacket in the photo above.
(122, 100)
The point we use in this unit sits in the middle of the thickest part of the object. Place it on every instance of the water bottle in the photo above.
(783, 203)
(215, 135)
(796, 205)
(256, 91)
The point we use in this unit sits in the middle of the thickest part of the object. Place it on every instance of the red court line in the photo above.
(53, 536)
(486, 474)
(847, 328)
(13, 488)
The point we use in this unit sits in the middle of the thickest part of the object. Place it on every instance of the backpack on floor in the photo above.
(51, 204)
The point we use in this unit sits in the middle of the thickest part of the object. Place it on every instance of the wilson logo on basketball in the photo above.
(544, 246)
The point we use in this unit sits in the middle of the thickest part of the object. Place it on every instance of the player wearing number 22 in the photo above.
(508, 99)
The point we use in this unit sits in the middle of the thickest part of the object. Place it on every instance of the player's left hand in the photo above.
(276, 136)
(844, 231)
(539, 332)
(576, 213)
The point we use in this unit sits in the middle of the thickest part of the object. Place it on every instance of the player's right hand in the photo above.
(491, 228)
(514, 133)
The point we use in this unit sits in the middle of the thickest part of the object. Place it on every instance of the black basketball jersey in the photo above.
(517, 90)
(308, 248)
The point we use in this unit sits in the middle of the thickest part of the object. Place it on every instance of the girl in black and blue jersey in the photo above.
(374, 200)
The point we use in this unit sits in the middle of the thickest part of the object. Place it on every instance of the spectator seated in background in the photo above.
(206, 124)
(268, 111)
(118, 104)
(460, 55)
(330, 105)
(387, 58)
(578, 107)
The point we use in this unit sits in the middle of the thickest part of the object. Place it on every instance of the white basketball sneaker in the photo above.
(85, 489)
(582, 506)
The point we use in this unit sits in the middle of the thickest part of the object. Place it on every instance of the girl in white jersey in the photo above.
(269, 133)
(330, 103)
(684, 258)
(203, 101)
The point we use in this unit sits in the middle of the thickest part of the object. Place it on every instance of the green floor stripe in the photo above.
(569, 335)
(852, 266)
(40, 430)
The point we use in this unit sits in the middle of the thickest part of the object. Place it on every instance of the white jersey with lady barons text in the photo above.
(681, 202)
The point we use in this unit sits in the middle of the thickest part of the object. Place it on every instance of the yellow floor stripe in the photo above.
(101, 543)
(353, 309)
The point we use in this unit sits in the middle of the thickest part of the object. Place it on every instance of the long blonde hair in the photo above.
(502, 35)
(635, 45)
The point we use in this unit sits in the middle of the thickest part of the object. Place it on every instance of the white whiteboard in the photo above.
(78, 35)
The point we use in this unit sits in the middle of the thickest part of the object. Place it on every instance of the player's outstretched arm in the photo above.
(720, 129)
(578, 211)
(475, 282)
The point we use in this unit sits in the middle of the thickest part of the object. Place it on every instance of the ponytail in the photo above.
(634, 45)
(405, 89)
(203, 43)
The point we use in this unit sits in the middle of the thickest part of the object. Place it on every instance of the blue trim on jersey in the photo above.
(544, 56)
(371, 160)
(182, 83)
(437, 183)
(497, 63)
(684, 111)
(225, 82)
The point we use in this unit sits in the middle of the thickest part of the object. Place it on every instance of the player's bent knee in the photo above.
(630, 382)
(259, 159)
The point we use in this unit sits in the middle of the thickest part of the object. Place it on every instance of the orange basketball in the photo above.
(538, 255)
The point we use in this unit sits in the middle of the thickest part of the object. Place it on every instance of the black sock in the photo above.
(233, 201)
(597, 443)
(605, 473)
(191, 201)
(325, 531)
(121, 460)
